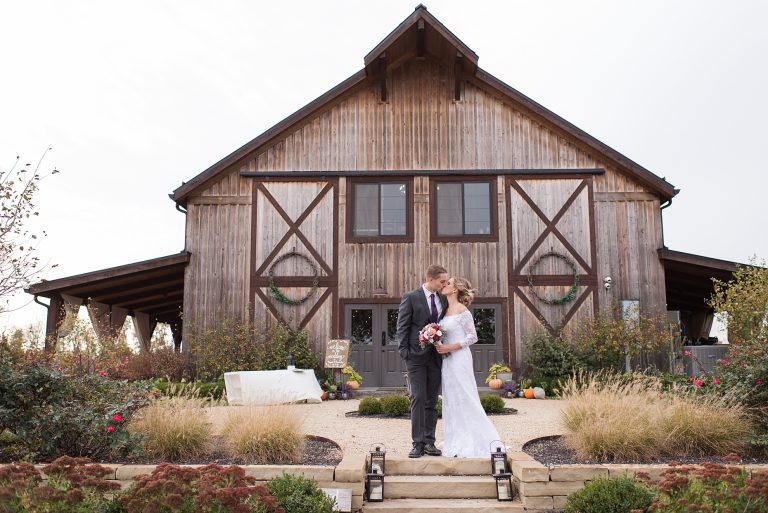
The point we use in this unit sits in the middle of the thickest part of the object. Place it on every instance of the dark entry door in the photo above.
(371, 328)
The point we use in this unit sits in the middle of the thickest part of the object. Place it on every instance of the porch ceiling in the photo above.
(688, 278)
(154, 287)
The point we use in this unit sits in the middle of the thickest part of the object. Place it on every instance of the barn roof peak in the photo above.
(420, 35)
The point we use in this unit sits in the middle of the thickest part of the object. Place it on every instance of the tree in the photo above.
(18, 263)
(742, 303)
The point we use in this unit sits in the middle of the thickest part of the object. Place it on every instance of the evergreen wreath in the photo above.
(572, 292)
(277, 293)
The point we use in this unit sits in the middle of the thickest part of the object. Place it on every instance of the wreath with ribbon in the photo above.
(278, 294)
(572, 292)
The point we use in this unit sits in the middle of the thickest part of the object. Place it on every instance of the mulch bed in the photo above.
(317, 451)
(507, 411)
(552, 450)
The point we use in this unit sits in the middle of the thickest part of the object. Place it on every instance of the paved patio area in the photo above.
(535, 418)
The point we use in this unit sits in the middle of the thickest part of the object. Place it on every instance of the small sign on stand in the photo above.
(336, 353)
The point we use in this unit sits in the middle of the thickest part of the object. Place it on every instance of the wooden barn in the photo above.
(421, 157)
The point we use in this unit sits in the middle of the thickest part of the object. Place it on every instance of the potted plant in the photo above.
(493, 380)
(509, 390)
(345, 391)
(353, 378)
(331, 388)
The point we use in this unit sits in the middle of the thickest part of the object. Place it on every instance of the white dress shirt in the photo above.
(438, 303)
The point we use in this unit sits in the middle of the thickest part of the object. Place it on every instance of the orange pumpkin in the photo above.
(353, 385)
(495, 384)
(528, 393)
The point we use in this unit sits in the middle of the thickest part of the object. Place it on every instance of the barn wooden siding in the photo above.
(420, 127)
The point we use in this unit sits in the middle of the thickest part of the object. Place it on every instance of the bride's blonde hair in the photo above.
(464, 291)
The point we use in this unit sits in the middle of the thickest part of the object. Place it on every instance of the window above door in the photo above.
(463, 210)
(379, 210)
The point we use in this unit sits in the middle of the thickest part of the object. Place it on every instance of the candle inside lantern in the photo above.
(376, 492)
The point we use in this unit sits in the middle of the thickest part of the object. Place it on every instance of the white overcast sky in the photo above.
(135, 97)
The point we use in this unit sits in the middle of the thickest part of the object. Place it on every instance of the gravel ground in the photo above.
(556, 452)
(535, 418)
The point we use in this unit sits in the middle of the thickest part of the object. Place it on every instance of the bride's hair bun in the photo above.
(464, 291)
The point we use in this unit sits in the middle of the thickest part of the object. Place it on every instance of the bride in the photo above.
(467, 431)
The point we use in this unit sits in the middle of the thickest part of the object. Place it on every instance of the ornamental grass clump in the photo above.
(265, 435)
(175, 428)
(631, 417)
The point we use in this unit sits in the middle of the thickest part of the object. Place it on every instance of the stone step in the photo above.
(443, 506)
(439, 487)
(438, 466)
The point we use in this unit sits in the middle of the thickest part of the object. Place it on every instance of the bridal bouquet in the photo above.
(432, 334)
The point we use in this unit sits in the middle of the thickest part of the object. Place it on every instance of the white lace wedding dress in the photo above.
(467, 431)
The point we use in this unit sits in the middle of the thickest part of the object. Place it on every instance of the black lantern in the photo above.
(498, 458)
(504, 491)
(378, 455)
(374, 486)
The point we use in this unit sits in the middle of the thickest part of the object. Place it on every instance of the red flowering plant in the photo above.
(209, 489)
(711, 487)
(72, 485)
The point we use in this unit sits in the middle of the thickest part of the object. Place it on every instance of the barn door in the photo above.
(551, 243)
(293, 269)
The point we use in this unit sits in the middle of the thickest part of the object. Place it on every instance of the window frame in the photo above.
(350, 206)
(493, 206)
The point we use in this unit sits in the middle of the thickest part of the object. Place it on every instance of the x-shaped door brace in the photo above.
(293, 228)
(550, 227)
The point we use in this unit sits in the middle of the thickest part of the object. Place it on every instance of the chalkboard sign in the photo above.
(336, 354)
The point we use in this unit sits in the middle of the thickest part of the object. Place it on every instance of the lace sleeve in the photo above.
(468, 324)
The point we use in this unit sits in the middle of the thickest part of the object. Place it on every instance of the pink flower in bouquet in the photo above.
(431, 334)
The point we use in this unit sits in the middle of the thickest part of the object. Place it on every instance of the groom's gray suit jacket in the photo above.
(413, 315)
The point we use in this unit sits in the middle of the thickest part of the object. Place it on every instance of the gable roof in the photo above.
(422, 20)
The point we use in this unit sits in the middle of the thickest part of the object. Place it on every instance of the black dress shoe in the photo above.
(417, 451)
(432, 450)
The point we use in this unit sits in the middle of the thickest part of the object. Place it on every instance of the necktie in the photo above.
(434, 308)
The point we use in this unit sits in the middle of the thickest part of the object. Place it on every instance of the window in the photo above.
(379, 211)
(464, 210)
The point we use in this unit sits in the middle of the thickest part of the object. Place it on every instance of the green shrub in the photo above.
(162, 362)
(492, 403)
(369, 406)
(619, 495)
(278, 341)
(208, 489)
(712, 487)
(551, 357)
(298, 494)
(230, 346)
(440, 407)
(53, 414)
(395, 405)
(200, 389)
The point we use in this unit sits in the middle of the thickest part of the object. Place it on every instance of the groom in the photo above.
(418, 308)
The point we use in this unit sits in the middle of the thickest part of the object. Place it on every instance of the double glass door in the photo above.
(371, 328)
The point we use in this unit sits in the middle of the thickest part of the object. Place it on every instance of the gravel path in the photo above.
(535, 418)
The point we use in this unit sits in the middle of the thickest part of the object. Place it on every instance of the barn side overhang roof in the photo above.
(688, 278)
(414, 35)
(154, 287)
